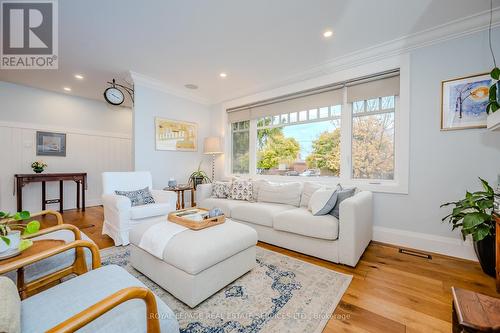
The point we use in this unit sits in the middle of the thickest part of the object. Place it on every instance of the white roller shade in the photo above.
(373, 89)
(240, 115)
(315, 101)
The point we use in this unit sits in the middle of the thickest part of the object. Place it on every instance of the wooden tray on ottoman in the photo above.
(193, 224)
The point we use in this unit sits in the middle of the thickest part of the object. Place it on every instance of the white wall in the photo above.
(443, 164)
(98, 139)
(153, 102)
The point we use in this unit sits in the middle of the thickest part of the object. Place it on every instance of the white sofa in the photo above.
(119, 215)
(340, 240)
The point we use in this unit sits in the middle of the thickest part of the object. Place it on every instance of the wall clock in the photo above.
(114, 95)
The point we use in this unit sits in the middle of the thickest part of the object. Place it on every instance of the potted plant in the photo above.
(38, 166)
(11, 230)
(198, 177)
(474, 215)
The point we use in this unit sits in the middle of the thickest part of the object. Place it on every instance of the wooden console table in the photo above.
(79, 178)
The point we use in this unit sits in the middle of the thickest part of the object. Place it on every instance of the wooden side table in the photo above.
(180, 195)
(474, 312)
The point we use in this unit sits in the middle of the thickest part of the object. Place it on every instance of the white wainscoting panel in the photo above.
(89, 152)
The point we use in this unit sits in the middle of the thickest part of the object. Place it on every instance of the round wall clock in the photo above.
(113, 96)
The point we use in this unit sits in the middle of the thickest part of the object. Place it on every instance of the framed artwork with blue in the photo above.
(464, 101)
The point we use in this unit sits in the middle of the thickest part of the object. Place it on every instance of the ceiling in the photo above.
(258, 43)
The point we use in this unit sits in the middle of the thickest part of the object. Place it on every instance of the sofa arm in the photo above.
(355, 227)
(161, 196)
(116, 202)
(203, 191)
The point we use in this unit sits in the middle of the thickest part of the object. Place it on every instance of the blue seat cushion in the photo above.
(53, 306)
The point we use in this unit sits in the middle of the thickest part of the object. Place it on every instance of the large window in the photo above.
(373, 138)
(240, 142)
(302, 143)
(348, 132)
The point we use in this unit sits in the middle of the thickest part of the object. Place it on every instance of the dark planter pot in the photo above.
(197, 181)
(38, 170)
(485, 250)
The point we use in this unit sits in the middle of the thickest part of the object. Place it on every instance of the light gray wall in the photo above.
(151, 103)
(98, 139)
(24, 104)
(443, 164)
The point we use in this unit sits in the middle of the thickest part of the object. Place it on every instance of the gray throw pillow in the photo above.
(328, 205)
(342, 194)
(138, 197)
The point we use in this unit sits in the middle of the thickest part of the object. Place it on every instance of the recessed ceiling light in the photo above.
(79, 76)
(191, 86)
(67, 89)
(328, 34)
(223, 75)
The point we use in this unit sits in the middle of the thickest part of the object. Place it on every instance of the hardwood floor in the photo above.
(390, 291)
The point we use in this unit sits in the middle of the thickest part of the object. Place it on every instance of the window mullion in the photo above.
(345, 139)
(252, 150)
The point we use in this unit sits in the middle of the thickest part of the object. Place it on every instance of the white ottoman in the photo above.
(197, 264)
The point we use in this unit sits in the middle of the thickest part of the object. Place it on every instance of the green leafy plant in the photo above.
(493, 104)
(474, 213)
(38, 166)
(10, 222)
(198, 175)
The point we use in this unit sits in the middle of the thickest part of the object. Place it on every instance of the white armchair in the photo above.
(119, 215)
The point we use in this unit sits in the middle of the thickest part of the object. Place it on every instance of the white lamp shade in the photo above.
(212, 145)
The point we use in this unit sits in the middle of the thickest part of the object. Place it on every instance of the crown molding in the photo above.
(451, 30)
(152, 83)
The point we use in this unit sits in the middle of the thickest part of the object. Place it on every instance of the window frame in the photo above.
(401, 129)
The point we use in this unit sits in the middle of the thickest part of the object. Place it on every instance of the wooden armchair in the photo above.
(88, 314)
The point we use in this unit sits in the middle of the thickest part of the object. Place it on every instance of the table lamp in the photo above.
(212, 146)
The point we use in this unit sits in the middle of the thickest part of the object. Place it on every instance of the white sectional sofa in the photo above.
(340, 240)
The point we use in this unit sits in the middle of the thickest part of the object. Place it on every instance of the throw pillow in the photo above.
(341, 196)
(10, 306)
(256, 186)
(308, 190)
(283, 193)
(139, 197)
(220, 189)
(323, 201)
(241, 190)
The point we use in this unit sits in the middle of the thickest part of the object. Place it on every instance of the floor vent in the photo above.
(416, 254)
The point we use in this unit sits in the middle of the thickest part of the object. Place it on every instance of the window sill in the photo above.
(381, 186)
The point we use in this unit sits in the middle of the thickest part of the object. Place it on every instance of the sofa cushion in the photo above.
(282, 193)
(140, 212)
(258, 212)
(225, 204)
(220, 189)
(300, 221)
(241, 190)
(10, 307)
(322, 201)
(138, 197)
(53, 306)
(342, 194)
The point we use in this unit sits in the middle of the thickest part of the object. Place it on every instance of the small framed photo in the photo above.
(50, 144)
(464, 101)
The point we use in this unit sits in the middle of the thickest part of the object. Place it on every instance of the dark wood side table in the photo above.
(79, 178)
(180, 195)
(474, 312)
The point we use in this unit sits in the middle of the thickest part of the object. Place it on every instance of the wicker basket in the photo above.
(192, 224)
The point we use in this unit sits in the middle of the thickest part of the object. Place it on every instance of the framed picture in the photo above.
(175, 135)
(463, 102)
(50, 144)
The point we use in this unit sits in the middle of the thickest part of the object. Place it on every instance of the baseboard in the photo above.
(452, 247)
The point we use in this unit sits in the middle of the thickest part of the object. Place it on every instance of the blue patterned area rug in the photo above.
(281, 294)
